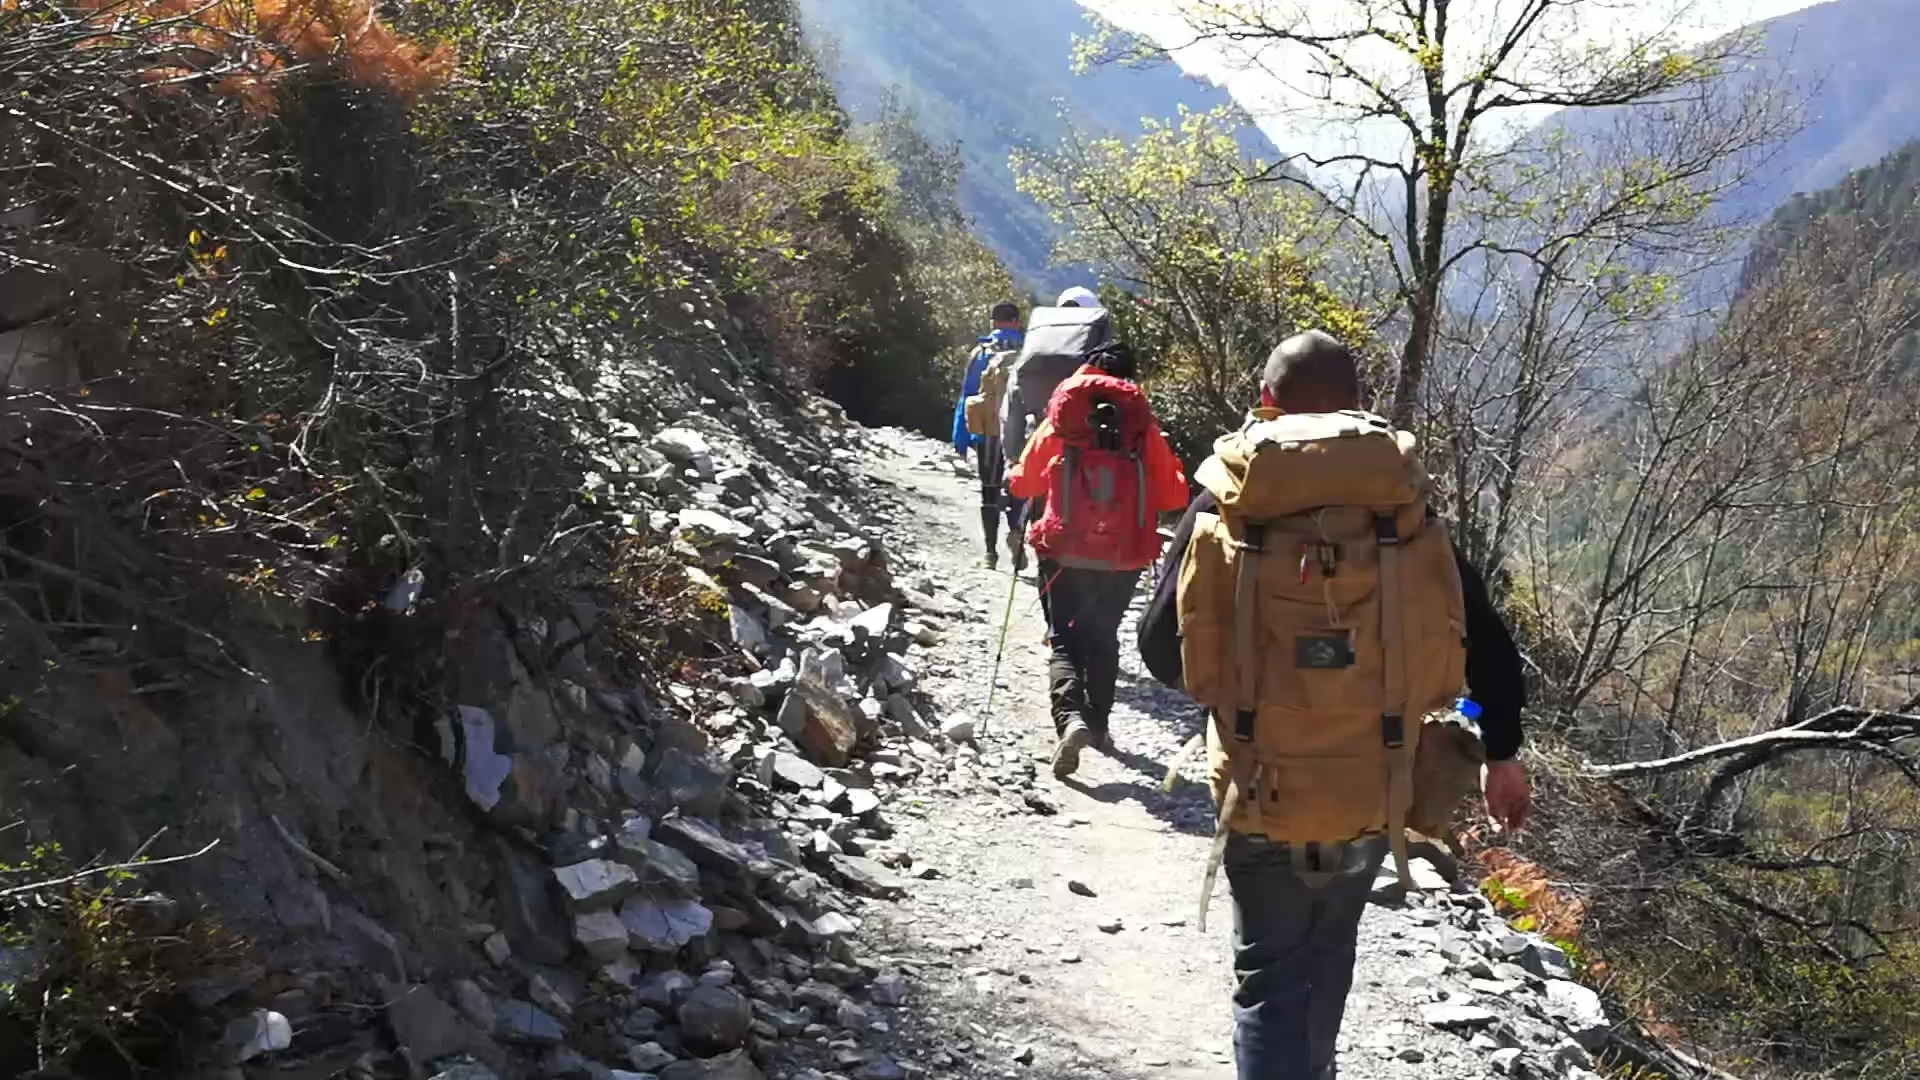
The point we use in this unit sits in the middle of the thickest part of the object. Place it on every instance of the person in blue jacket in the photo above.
(1007, 334)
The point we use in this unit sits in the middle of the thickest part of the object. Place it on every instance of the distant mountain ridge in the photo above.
(989, 73)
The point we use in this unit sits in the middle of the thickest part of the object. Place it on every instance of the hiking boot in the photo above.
(1066, 756)
(992, 561)
(1019, 553)
(1103, 742)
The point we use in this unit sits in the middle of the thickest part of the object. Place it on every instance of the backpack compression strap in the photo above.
(1239, 748)
(1393, 718)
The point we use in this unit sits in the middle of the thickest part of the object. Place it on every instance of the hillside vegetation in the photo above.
(317, 316)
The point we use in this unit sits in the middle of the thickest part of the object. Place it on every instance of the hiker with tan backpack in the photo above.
(976, 425)
(1313, 603)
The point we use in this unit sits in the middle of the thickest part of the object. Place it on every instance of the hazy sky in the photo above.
(1260, 85)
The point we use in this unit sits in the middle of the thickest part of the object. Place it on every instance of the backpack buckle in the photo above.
(1386, 531)
(1243, 721)
(1393, 731)
(1253, 538)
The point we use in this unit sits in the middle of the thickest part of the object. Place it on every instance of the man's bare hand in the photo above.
(1509, 798)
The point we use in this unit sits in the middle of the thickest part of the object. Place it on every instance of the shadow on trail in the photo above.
(1188, 808)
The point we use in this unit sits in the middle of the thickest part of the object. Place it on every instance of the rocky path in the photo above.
(1055, 931)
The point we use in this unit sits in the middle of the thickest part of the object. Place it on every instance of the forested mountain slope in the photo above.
(991, 74)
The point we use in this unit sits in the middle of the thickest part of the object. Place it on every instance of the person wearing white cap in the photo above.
(1078, 296)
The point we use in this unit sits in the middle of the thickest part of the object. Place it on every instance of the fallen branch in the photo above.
(1844, 728)
(142, 864)
(319, 862)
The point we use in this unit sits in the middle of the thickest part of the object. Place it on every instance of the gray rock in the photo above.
(483, 767)
(1449, 1016)
(527, 1023)
(832, 924)
(880, 1067)
(715, 1019)
(556, 990)
(1505, 1061)
(694, 783)
(466, 1070)
(601, 934)
(525, 908)
(796, 771)
(428, 1027)
(664, 924)
(261, 1031)
(474, 1004)
(687, 447)
(1547, 960)
(710, 850)
(1580, 1010)
(958, 728)
(748, 631)
(734, 1066)
(901, 711)
(787, 1022)
(861, 802)
(871, 624)
(1426, 877)
(659, 866)
(891, 989)
(596, 883)
(867, 877)
(649, 1057)
(497, 948)
(664, 990)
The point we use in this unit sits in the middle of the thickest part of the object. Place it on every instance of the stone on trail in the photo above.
(601, 934)
(958, 728)
(713, 852)
(664, 925)
(732, 1066)
(866, 876)
(596, 883)
(1453, 1017)
(262, 1031)
(1426, 877)
(715, 1019)
(1081, 888)
(796, 771)
(465, 1070)
(871, 624)
(657, 864)
(525, 1022)
(1505, 1061)
(649, 1057)
(820, 721)
(688, 448)
(710, 526)
(1547, 960)
(1579, 1009)
(891, 989)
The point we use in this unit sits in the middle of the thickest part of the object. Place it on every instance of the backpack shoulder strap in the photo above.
(1393, 717)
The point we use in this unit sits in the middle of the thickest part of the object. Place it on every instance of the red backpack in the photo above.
(1097, 514)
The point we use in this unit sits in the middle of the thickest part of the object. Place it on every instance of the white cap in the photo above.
(1078, 296)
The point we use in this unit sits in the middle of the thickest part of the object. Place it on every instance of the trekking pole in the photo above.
(993, 680)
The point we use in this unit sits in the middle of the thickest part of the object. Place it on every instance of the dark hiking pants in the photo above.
(991, 466)
(1083, 610)
(1294, 945)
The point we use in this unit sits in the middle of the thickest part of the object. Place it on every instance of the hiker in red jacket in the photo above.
(1106, 474)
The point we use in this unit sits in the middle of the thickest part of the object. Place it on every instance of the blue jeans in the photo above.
(1294, 943)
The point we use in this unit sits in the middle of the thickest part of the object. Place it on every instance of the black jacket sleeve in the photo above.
(1159, 630)
(1494, 676)
(1495, 680)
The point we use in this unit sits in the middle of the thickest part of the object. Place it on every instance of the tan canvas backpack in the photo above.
(983, 408)
(1321, 621)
